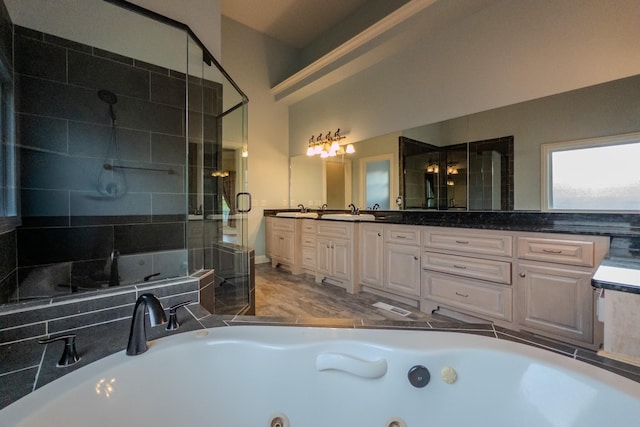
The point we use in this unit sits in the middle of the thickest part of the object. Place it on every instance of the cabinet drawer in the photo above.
(309, 240)
(485, 269)
(572, 252)
(283, 224)
(473, 296)
(309, 258)
(309, 226)
(335, 229)
(469, 241)
(403, 235)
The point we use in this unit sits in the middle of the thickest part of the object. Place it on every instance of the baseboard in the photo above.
(262, 259)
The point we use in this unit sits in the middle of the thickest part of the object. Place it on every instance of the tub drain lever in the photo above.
(69, 354)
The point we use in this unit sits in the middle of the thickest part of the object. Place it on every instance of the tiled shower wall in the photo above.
(64, 134)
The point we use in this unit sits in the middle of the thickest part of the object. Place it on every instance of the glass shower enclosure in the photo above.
(132, 147)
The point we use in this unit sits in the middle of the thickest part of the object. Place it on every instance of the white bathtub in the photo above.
(247, 376)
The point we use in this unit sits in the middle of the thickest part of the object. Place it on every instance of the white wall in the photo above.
(101, 24)
(509, 52)
(252, 59)
(202, 16)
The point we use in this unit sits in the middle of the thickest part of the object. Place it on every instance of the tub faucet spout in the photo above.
(138, 335)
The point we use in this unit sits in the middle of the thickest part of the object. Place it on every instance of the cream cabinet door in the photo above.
(341, 259)
(371, 253)
(402, 268)
(556, 300)
(323, 255)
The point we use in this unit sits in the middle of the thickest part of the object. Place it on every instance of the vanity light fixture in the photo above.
(328, 145)
(433, 167)
(452, 168)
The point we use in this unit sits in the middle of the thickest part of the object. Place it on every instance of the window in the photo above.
(600, 174)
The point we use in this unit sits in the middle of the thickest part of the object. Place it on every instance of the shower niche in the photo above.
(470, 176)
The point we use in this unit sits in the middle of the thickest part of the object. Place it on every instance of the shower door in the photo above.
(218, 201)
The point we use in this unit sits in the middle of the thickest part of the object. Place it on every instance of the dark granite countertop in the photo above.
(605, 224)
(28, 365)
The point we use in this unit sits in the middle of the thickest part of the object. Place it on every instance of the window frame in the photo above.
(547, 149)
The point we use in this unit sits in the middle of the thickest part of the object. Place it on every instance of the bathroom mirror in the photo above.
(605, 109)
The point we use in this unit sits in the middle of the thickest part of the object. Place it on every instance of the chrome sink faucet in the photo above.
(354, 210)
(138, 335)
(302, 208)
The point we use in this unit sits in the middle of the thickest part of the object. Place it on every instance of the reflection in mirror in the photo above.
(377, 181)
(308, 175)
(338, 183)
(454, 175)
(473, 176)
(491, 174)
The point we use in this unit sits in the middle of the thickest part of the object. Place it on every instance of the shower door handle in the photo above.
(351, 365)
(238, 205)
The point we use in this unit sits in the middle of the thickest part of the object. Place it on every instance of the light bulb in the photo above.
(324, 154)
(350, 149)
(335, 146)
(310, 151)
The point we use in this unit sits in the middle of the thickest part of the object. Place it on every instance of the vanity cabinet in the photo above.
(336, 254)
(468, 271)
(390, 260)
(284, 243)
(553, 280)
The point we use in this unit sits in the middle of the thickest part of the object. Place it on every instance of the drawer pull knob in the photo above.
(379, 235)
(462, 242)
(551, 251)
(461, 267)
(522, 275)
(462, 295)
(415, 257)
(401, 237)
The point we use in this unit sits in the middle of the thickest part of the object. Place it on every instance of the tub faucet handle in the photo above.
(173, 324)
(69, 354)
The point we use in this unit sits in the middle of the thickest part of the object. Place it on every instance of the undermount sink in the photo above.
(311, 215)
(349, 217)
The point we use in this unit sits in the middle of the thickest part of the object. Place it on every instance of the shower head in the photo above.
(107, 96)
(110, 98)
